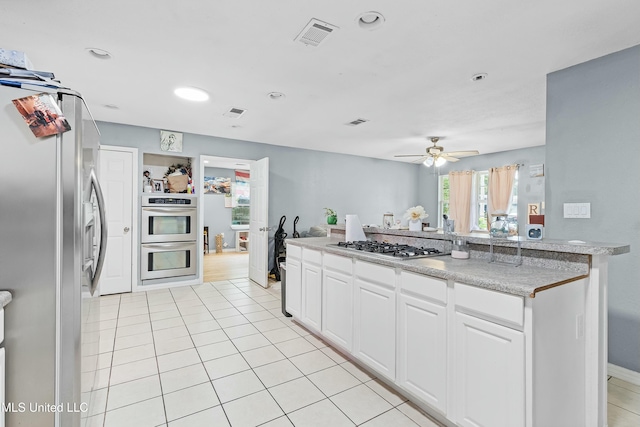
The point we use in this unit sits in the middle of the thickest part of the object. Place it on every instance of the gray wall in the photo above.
(301, 182)
(530, 190)
(593, 155)
(216, 216)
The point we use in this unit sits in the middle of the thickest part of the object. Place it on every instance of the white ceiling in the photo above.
(411, 77)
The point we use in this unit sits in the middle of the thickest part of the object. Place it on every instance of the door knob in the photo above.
(126, 229)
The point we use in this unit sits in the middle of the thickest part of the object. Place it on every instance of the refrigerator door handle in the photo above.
(103, 231)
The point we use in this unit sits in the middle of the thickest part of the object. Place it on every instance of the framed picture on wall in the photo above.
(171, 141)
(217, 185)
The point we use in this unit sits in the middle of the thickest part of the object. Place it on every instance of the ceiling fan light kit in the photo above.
(436, 155)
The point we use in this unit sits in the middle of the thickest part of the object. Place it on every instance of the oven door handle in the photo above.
(103, 231)
(171, 245)
(172, 211)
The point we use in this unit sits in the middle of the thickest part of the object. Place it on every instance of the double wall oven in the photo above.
(169, 236)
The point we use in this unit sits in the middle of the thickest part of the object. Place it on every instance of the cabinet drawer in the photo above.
(385, 276)
(309, 255)
(338, 263)
(493, 305)
(418, 284)
(294, 251)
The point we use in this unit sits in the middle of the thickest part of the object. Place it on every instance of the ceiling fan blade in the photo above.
(449, 158)
(410, 155)
(462, 153)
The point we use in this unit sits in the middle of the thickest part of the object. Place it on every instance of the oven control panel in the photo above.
(168, 201)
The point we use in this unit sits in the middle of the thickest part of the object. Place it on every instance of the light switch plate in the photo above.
(577, 210)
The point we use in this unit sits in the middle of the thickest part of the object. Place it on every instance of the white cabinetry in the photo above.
(489, 359)
(422, 338)
(375, 317)
(293, 281)
(337, 300)
(311, 309)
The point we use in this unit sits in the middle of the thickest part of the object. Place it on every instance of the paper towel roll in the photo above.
(353, 229)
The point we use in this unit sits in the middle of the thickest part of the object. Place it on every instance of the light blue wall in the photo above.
(593, 155)
(216, 216)
(530, 190)
(301, 182)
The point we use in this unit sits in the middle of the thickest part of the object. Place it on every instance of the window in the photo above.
(443, 197)
(479, 215)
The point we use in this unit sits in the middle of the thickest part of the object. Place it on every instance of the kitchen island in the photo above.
(473, 343)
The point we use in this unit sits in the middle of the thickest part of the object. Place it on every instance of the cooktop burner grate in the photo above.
(396, 250)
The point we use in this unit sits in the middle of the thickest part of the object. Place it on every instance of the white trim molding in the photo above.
(625, 374)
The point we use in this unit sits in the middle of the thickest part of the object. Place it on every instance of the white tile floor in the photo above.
(222, 354)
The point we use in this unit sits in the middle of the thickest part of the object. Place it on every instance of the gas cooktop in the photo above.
(395, 250)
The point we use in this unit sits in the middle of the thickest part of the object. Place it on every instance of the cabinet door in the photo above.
(375, 326)
(294, 287)
(311, 295)
(490, 375)
(337, 308)
(422, 350)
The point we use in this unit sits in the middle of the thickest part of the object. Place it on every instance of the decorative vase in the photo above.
(332, 219)
(415, 225)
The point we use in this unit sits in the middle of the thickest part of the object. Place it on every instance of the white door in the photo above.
(258, 223)
(116, 177)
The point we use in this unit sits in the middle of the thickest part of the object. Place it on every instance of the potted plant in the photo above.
(332, 216)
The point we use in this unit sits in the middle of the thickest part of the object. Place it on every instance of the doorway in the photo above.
(217, 215)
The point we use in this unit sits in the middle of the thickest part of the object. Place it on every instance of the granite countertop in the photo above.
(553, 245)
(5, 298)
(523, 280)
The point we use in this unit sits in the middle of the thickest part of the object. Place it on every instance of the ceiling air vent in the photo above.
(315, 32)
(357, 122)
(234, 113)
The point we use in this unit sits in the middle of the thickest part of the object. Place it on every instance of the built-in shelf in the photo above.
(242, 240)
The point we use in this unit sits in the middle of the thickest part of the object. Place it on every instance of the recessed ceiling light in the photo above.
(276, 95)
(370, 20)
(191, 93)
(98, 53)
(479, 76)
(206, 161)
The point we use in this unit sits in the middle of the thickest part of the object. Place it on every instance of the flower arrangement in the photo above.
(415, 213)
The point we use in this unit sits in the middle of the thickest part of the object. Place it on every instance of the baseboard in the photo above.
(625, 374)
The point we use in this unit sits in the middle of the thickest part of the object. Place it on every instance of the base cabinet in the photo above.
(375, 318)
(337, 301)
(422, 349)
(293, 294)
(311, 309)
(489, 362)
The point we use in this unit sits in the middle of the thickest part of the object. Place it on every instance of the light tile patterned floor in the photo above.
(222, 354)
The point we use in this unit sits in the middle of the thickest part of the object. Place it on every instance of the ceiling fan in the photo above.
(436, 155)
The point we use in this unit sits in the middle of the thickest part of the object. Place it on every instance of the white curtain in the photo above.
(460, 183)
(500, 189)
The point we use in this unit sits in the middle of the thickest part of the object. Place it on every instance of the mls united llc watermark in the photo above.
(21, 407)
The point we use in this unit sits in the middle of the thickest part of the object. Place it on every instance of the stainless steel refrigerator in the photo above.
(51, 254)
